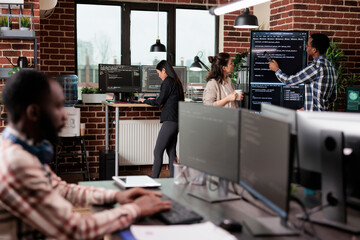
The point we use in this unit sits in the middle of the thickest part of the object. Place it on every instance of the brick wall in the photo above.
(58, 40)
(15, 48)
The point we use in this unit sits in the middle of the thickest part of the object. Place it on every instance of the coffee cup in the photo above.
(238, 94)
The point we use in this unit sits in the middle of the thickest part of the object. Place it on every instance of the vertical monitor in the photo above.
(265, 160)
(288, 48)
(116, 78)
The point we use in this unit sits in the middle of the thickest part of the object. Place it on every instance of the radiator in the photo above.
(137, 139)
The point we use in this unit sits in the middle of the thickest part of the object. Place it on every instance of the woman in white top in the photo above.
(219, 89)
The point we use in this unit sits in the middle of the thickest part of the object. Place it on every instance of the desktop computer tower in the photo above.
(106, 164)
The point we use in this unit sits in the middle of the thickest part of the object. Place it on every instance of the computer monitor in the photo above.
(353, 99)
(288, 48)
(289, 116)
(209, 142)
(265, 170)
(329, 152)
(151, 82)
(182, 74)
(118, 79)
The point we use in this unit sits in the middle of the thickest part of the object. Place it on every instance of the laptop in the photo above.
(135, 181)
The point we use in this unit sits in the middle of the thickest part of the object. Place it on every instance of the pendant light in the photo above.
(246, 20)
(158, 46)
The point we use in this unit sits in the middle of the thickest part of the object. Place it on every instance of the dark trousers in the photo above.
(166, 140)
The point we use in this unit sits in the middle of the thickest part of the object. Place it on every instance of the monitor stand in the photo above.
(269, 226)
(335, 214)
(222, 194)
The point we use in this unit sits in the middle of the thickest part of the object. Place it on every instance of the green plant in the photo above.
(14, 70)
(238, 61)
(4, 22)
(345, 79)
(89, 90)
(25, 22)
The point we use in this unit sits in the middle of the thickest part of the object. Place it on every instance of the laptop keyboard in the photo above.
(178, 214)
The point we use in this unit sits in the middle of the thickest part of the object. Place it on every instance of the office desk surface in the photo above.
(237, 210)
(113, 104)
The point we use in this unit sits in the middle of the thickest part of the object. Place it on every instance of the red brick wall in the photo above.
(15, 48)
(58, 40)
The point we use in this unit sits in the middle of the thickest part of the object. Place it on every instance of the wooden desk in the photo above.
(116, 106)
(237, 210)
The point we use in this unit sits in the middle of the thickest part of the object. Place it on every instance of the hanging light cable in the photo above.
(158, 46)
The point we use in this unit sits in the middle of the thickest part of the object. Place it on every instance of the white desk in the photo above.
(116, 106)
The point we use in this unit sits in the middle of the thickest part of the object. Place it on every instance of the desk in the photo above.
(237, 210)
(116, 106)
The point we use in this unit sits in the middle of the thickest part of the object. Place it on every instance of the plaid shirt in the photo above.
(35, 203)
(319, 78)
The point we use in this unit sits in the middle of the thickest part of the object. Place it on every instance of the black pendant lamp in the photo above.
(158, 46)
(246, 20)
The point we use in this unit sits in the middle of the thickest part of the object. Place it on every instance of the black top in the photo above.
(169, 98)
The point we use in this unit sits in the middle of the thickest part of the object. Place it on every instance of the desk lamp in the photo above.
(196, 65)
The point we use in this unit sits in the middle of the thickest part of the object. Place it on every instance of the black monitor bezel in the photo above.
(251, 74)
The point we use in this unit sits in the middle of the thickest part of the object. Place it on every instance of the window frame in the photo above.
(126, 8)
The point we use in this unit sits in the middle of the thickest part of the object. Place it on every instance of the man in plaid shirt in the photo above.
(34, 202)
(319, 76)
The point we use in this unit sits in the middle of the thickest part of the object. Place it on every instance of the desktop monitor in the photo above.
(182, 74)
(117, 79)
(289, 116)
(332, 138)
(288, 48)
(209, 142)
(151, 82)
(265, 169)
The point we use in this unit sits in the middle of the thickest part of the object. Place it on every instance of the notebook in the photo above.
(135, 181)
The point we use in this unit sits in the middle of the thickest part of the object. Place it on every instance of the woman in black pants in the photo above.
(171, 92)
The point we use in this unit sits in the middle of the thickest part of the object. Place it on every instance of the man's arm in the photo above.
(34, 200)
(304, 76)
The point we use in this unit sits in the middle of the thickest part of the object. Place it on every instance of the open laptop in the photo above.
(135, 181)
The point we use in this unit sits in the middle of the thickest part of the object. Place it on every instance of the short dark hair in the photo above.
(320, 42)
(22, 89)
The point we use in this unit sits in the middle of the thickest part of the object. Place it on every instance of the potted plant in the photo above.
(92, 95)
(25, 23)
(4, 23)
(240, 61)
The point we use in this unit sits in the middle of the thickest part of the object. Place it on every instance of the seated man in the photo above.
(34, 202)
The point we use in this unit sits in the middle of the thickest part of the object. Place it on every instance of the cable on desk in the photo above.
(307, 218)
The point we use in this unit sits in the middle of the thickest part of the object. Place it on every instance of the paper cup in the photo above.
(239, 93)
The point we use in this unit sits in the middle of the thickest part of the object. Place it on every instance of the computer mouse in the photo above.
(230, 225)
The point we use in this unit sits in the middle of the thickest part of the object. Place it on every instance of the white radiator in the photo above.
(137, 139)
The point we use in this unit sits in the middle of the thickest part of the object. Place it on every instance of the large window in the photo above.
(124, 33)
(143, 34)
(98, 40)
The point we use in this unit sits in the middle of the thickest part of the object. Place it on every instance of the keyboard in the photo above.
(178, 214)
